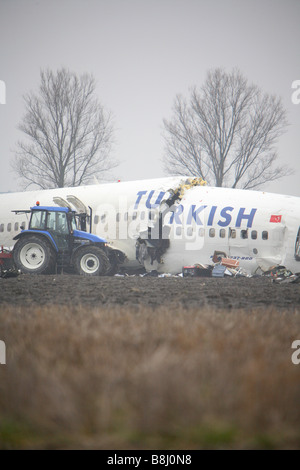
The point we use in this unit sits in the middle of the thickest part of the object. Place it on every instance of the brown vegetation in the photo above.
(136, 377)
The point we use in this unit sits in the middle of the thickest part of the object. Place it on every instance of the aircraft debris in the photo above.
(7, 267)
(197, 270)
(280, 274)
(218, 271)
(222, 266)
(5, 273)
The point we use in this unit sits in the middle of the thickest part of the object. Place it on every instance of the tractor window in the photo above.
(73, 223)
(62, 222)
(57, 221)
(38, 220)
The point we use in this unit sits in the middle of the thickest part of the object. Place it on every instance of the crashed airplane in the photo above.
(164, 224)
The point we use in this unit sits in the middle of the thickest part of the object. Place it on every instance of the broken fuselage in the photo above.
(164, 224)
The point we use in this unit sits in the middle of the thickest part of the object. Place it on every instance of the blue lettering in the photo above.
(140, 194)
(193, 214)
(226, 216)
(158, 200)
(211, 215)
(225, 213)
(248, 217)
(177, 212)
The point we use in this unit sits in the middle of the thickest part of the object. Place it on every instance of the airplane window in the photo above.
(178, 230)
(264, 235)
(232, 233)
(23, 226)
(222, 233)
(16, 226)
(143, 215)
(2, 228)
(134, 215)
(126, 216)
(212, 232)
(189, 231)
(96, 219)
(118, 217)
(103, 218)
(254, 234)
(201, 232)
(151, 215)
(244, 234)
(9, 227)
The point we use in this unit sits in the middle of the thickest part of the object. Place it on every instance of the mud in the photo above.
(228, 293)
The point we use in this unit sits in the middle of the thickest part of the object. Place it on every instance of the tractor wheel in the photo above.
(91, 261)
(34, 255)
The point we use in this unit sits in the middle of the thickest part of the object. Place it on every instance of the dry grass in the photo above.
(119, 378)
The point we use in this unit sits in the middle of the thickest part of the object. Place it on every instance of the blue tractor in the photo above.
(53, 243)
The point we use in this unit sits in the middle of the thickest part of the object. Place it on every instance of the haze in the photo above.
(142, 53)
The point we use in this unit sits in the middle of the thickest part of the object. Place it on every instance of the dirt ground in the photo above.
(228, 293)
(149, 363)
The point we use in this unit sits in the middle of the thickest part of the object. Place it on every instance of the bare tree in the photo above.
(226, 133)
(70, 133)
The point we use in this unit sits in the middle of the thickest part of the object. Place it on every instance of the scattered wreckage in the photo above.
(223, 266)
(280, 274)
(7, 266)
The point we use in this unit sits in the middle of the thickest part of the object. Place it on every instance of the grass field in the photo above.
(138, 378)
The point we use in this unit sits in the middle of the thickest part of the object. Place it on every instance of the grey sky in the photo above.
(142, 53)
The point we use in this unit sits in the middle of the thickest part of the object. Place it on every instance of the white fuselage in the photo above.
(258, 229)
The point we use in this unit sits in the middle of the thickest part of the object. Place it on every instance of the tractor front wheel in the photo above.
(91, 261)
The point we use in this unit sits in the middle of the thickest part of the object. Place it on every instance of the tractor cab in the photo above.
(58, 222)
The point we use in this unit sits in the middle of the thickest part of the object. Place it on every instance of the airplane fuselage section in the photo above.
(259, 229)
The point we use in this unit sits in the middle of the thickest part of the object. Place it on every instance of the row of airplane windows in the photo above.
(12, 227)
(222, 233)
(212, 232)
(190, 230)
(134, 215)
